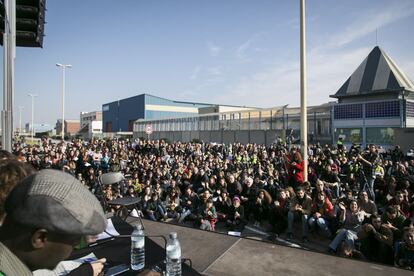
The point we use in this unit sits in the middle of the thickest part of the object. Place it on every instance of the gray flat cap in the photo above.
(56, 201)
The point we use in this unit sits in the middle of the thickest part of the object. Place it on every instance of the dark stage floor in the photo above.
(219, 254)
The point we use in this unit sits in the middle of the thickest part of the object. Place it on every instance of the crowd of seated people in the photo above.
(360, 199)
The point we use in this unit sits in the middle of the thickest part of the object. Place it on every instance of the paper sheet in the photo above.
(234, 233)
(65, 267)
(110, 229)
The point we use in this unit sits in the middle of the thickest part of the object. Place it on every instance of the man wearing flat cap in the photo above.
(47, 213)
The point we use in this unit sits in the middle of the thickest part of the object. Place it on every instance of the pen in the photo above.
(96, 243)
(89, 260)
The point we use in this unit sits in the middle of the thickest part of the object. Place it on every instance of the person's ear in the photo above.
(39, 238)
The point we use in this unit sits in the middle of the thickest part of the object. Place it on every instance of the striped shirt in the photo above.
(10, 264)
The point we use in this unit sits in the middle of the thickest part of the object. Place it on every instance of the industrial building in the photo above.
(119, 116)
(261, 126)
(71, 127)
(90, 124)
(375, 104)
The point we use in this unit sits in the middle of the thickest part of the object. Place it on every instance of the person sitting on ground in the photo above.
(300, 206)
(376, 241)
(321, 214)
(404, 250)
(400, 203)
(223, 205)
(236, 219)
(394, 220)
(208, 216)
(331, 180)
(365, 204)
(189, 204)
(47, 215)
(155, 211)
(320, 187)
(172, 204)
(146, 196)
(261, 207)
(248, 196)
(233, 186)
(351, 223)
(278, 213)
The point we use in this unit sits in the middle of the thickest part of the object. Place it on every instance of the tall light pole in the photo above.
(63, 66)
(303, 92)
(20, 119)
(9, 52)
(32, 130)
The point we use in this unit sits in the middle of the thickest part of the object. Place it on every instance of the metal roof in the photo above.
(377, 73)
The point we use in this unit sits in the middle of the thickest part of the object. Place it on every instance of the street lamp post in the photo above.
(20, 119)
(9, 52)
(303, 92)
(32, 124)
(63, 66)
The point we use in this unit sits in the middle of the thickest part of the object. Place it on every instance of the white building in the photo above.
(91, 124)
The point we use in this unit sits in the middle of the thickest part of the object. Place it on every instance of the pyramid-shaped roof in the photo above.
(377, 73)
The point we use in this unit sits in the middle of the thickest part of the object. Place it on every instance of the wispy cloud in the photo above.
(214, 71)
(241, 51)
(195, 73)
(279, 84)
(367, 23)
(329, 65)
(213, 49)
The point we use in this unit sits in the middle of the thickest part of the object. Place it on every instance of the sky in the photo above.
(235, 52)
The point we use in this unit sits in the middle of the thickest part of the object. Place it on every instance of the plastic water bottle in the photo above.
(137, 248)
(173, 266)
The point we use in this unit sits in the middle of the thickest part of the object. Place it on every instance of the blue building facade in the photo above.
(120, 115)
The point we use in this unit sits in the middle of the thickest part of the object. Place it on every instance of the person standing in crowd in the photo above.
(368, 159)
(295, 167)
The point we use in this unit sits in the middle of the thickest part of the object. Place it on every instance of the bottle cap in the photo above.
(138, 227)
(173, 235)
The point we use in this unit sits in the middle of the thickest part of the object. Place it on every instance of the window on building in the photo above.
(108, 127)
(382, 109)
(380, 135)
(349, 135)
(409, 109)
(131, 125)
(348, 111)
